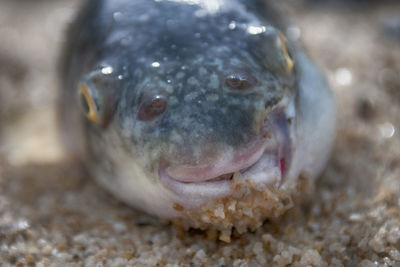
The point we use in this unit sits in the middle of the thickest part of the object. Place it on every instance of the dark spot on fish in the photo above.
(240, 81)
(152, 108)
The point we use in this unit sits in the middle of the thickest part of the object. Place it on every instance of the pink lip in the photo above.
(201, 183)
(195, 174)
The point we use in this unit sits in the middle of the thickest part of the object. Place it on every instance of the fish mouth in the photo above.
(265, 161)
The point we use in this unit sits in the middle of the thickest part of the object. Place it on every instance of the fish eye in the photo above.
(152, 108)
(286, 54)
(88, 105)
(240, 81)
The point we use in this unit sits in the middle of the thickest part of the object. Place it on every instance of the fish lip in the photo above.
(197, 174)
(207, 186)
(196, 190)
(210, 187)
(261, 162)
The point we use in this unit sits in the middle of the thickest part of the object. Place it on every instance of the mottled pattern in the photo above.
(182, 52)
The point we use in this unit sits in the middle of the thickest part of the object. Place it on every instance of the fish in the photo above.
(201, 112)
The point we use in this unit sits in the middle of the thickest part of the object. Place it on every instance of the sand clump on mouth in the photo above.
(246, 209)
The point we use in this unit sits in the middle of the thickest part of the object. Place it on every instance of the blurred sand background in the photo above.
(51, 214)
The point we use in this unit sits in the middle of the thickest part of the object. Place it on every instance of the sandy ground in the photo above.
(51, 214)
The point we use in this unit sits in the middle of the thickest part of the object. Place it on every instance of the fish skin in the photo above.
(131, 51)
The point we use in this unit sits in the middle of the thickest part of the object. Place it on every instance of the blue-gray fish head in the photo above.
(191, 99)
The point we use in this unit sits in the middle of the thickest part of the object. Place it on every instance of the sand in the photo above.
(52, 214)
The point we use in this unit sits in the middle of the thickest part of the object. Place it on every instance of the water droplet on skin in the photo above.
(120, 77)
(343, 77)
(107, 70)
(387, 130)
(232, 25)
(256, 29)
(155, 64)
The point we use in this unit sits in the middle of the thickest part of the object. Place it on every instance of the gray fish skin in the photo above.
(129, 52)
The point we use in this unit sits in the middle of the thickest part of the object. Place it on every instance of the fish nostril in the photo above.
(240, 81)
(152, 108)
